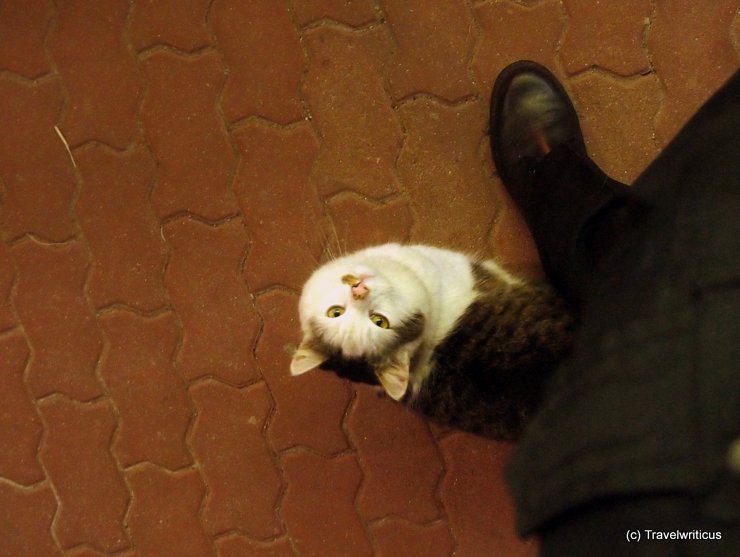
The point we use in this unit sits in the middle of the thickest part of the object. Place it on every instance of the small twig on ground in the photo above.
(66, 145)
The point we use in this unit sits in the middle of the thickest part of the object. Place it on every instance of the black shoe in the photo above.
(531, 114)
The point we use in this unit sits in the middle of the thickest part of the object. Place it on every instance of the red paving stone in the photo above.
(91, 493)
(503, 39)
(687, 86)
(37, 177)
(350, 12)
(90, 51)
(120, 228)
(347, 209)
(182, 121)
(151, 401)
(239, 546)
(615, 114)
(399, 538)
(7, 279)
(274, 172)
(236, 462)
(441, 168)
(262, 50)
(23, 26)
(20, 426)
(318, 508)
(213, 304)
(607, 35)
(400, 486)
(218, 152)
(434, 44)
(349, 104)
(87, 552)
(321, 401)
(163, 515)
(174, 23)
(26, 520)
(59, 323)
(479, 518)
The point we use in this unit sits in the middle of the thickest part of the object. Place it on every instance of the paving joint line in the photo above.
(165, 49)
(349, 436)
(257, 120)
(230, 128)
(404, 135)
(28, 81)
(330, 23)
(329, 229)
(606, 73)
(179, 216)
(661, 86)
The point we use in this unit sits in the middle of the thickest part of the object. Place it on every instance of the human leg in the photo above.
(540, 155)
(649, 400)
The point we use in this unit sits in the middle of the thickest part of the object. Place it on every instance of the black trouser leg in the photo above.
(671, 285)
(577, 213)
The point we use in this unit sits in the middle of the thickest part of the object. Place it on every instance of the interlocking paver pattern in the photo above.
(433, 46)
(219, 322)
(37, 176)
(163, 515)
(26, 520)
(7, 279)
(606, 35)
(20, 426)
(181, 25)
(236, 461)
(151, 401)
(262, 51)
(90, 491)
(404, 487)
(171, 173)
(122, 232)
(98, 71)
(274, 172)
(57, 318)
(186, 133)
(360, 132)
(23, 26)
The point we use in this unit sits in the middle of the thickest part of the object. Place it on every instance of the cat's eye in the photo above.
(379, 321)
(334, 311)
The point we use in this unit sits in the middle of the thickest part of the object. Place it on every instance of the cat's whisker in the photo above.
(322, 240)
(328, 251)
(343, 248)
(333, 246)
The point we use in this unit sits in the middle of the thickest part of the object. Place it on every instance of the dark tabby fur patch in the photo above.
(488, 373)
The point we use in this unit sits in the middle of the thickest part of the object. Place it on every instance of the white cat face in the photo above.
(353, 307)
(368, 311)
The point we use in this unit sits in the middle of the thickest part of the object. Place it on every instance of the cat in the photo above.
(456, 338)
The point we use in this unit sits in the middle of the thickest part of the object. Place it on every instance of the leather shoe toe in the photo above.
(531, 114)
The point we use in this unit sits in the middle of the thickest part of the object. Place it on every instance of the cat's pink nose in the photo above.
(360, 291)
(357, 286)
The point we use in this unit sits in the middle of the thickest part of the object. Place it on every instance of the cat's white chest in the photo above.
(449, 279)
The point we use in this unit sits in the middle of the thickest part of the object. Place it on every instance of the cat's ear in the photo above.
(305, 359)
(394, 377)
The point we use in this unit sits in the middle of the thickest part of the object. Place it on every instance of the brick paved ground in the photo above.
(149, 276)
